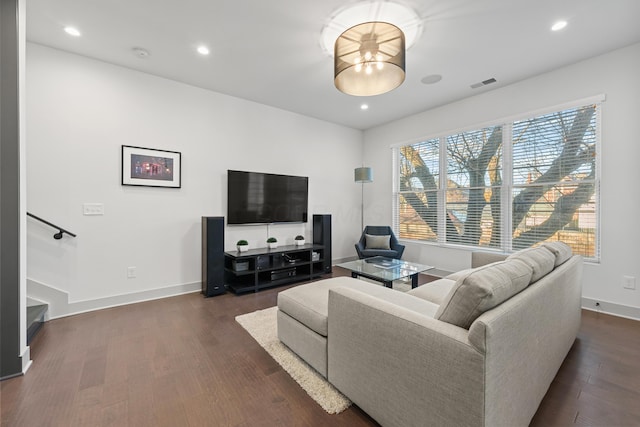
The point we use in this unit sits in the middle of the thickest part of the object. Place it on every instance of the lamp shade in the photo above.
(369, 59)
(363, 174)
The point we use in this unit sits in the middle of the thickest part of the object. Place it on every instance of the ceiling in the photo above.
(270, 51)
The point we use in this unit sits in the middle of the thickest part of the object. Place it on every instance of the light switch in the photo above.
(93, 209)
(628, 282)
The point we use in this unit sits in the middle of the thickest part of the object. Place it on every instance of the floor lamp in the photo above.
(362, 175)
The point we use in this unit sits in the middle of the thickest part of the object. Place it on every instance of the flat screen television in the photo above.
(265, 198)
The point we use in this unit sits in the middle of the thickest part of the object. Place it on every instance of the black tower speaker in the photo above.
(213, 256)
(322, 236)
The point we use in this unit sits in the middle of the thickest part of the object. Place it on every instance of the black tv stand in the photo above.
(263, 268)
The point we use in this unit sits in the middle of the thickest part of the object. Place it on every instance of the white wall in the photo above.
(614, 74)
(79, 113)
(25, 351)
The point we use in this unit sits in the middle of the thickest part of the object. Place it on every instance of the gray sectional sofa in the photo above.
(477, 348)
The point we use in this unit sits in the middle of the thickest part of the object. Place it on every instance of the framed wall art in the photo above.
(148, 167)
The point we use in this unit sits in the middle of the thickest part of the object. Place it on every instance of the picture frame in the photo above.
(148, 167)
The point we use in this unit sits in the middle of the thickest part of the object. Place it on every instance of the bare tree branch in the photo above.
(428, 210)
(563, 212)
(463, 152)
(571, 158)
(477, 168)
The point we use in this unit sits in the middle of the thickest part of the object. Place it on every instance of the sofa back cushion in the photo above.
(561, 250)
(482, 289)
(540, 259)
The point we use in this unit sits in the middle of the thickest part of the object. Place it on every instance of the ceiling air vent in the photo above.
(483, 83)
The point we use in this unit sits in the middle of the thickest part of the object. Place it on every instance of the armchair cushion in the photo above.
(377, 242)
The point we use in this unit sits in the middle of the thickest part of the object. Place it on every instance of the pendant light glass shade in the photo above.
(369, 59)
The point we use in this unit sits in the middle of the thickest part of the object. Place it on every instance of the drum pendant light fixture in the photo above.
(369, 59)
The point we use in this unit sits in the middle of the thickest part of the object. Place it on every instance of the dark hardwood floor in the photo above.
(184, 361)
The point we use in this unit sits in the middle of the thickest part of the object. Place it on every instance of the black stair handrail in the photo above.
(61, 230)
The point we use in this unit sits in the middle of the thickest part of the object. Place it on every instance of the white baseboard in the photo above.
(26, 360)
(611, 308)
(60, 306)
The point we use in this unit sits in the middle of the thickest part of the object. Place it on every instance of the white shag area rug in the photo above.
(262, 326)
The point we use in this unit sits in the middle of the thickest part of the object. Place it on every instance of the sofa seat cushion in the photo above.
(561, 250)
(540, 259)
(482, 289)
(389, 253)
(435, 291)
(308, 304)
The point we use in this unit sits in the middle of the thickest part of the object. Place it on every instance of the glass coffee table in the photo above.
(385, 270)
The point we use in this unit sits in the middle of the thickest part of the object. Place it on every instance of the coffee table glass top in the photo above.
(386, 269)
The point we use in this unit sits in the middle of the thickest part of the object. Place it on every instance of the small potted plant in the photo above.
(299, 240)
(272, 242)
(242, 245)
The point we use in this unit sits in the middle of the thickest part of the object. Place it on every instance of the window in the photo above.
(508, 186)
(419, 183)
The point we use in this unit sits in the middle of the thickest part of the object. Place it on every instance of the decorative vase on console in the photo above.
(272, 242)
(299, 240)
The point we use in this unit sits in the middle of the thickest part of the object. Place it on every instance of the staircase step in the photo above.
(35, 319)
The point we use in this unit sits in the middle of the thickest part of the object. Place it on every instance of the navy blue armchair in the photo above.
(378, 240)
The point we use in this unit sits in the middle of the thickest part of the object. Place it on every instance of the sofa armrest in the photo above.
(479, 258)
(400, 366)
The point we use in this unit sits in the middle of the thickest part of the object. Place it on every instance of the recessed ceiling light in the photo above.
(72, 31)
(203, 50)
(364, 107)
(558, 25)
(431, 79)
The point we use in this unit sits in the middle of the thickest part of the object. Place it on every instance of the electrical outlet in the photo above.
(629, 282)
(131, 272)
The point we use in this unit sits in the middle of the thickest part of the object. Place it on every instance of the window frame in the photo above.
(506, 187)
